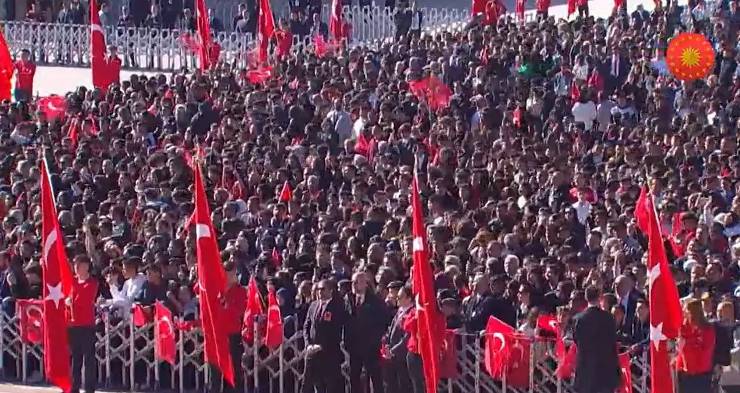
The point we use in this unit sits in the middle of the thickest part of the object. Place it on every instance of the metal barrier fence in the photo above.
(126, 359)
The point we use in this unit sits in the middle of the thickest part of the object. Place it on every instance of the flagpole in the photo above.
(182, 360)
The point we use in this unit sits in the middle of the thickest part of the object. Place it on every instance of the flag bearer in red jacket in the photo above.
(81, 321)
(25, 70)
(695, 360)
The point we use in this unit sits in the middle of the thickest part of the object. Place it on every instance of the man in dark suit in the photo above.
(627, 297)
(323, 329)
(617, 68)
(595, 333)
(368, 320)
(480, 305)
(396, 370)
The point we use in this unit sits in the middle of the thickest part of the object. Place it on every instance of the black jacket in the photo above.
(597, 366)
(366, 325)
(324, 325)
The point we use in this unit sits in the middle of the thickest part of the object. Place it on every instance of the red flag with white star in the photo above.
(57, 280)
(100, 73)
(665, 306)
(212, 283)
(431, 326)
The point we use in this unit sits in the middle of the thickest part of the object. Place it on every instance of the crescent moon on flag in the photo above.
(500, 336)
(170, 329)
(48, 244)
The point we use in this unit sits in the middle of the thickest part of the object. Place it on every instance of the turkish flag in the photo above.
(30, 320)
(73, 131)
(517, 364)
(253, 310)
(164, 334)
(497, 347)
(449, 357)
(100, 77)
(212, 283)
(274, 331)
(430, 323)
(478, 7)
(53, 106)
(571, 7)
(431, 90)
(259, 75)
(6, 69)
(286, 194)
(624, 364)
(642, 211)
(204, 35)
(519, 9)
(265, 29)
(322, 47)
(57, 285)
(548, 323)
(665, 308)
(567, 362)
(140, 316)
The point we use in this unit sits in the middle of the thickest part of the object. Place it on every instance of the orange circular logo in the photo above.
(690, 56)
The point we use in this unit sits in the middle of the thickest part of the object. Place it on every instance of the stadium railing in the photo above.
(126, 360)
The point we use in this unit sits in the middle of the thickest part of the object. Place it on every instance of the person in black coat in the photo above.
(597, 365)
(396, 370)
(479, 305)
(368, 320)
(323, 330)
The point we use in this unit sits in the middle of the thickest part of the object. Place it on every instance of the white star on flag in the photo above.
(653, 275)
(202, 230)
(656, 335)
(55, 293)
(418, 244)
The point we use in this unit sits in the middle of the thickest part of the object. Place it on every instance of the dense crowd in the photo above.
(529, 177)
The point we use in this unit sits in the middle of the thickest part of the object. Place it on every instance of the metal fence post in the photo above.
(106, 326)
(281, 359)
(132, 354)
(181, 363)
(479, 340)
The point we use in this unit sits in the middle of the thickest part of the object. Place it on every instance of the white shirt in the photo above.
(583, 209)
(124, 298)
(585, 113)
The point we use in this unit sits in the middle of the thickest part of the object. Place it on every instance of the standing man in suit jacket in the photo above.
(397, 374)
(323, 330)
(595, 333)
(618, 67)
(368, 320)
(480, 305)
(627, 297)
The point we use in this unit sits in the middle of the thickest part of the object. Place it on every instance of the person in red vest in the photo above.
(234, 302)
(81, 306)
(543, 7)
(214, 52)
(25, 71)
(696, 342)
(284, 39)
(113, 62)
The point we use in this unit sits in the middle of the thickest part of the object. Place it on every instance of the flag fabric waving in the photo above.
(665, 308)
(567, 362)
(6, 69)
(30, 320)
(204, 35)
(100, 78)
(164, 334)
(624, 364)
(57, 285)
(286, 194)
(518, 362)
(335, 20)
(53, 106)
(548, 323)
(211, 282)
(253, 310)
(274, 331)
(448, 368)
(430, 324)
(265, 29)
(519, 9)
(433, 91)
(496, 349)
